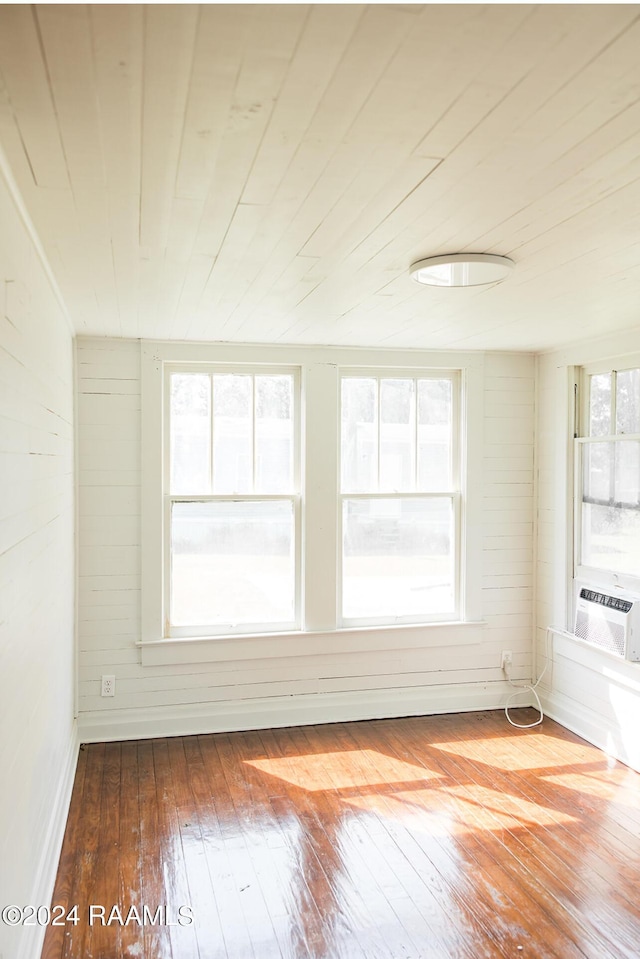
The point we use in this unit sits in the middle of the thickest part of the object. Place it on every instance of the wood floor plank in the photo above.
(222, 838)
(201, 898)
(104, 938)
(155, 849)
(321, 859)
(462, 933)
(66, 881)
(558, 848)
(176, 834)
(274, 847)
(130, 890)
(85, 862)
(504, 891)
(443, 837)
(259, 923)
(372, 848)
(565, 848)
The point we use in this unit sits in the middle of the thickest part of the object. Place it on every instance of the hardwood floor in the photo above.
(448, 836)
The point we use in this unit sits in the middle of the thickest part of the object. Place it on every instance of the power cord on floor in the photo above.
(527, 687)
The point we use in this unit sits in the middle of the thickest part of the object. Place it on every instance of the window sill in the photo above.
(207, 649)
(607, 664)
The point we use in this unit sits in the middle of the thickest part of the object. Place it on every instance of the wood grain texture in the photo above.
(450, 836)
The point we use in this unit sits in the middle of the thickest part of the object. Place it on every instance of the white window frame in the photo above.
(319, 412)
(454, 494)
(592, 574)
(169, 498)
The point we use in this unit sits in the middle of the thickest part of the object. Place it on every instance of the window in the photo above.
(399, 491)
(285, 491)
(608, 470)
(231, 500)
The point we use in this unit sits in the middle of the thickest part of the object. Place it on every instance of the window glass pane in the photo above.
(628, 401)
(232, 433)
(397, 557)
(397, 436)
(232, 563)
(359, 441)
(434, 435)
(598, 471)
(190, 433)
(600, 404)
(627, 482)
(611, 538)
(274, 434)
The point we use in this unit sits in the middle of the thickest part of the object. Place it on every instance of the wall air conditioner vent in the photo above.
(611, 623)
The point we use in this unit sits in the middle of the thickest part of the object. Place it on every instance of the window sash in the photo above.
(197, 630)
(453, 376)
(451, 492)
(607, 576)
(226, 629)
(436, 617)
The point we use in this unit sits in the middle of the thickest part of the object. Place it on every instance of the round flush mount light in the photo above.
(461, 269)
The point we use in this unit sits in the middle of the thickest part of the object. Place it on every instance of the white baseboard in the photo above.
(31, 940)
(201, 718)
(592, 726)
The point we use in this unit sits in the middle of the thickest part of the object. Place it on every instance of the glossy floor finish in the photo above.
(449, 836)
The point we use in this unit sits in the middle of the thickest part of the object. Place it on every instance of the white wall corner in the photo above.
(594, 727)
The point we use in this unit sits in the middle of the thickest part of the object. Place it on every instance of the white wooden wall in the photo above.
(38, 745)
(586, 690)
(432, 674)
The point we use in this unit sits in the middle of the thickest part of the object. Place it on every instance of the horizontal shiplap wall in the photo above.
(38, 745)
(591, 692)
(428, 677)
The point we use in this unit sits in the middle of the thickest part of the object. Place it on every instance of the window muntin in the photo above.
(399, 511)
(232, 525)
(608, 524)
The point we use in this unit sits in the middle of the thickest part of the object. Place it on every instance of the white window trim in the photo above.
(607, 579)
(320, 368)
(178, 632)
(453, 494)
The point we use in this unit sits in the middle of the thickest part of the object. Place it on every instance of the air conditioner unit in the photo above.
(610, 622)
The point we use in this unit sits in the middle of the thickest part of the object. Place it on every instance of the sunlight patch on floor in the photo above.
(518, 752)
(345, 769)
(601, 789)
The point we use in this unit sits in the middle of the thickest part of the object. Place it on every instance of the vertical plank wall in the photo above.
(341, 684)
(38, 745)
(591, 692)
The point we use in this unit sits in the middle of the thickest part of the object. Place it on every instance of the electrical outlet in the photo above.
(108, 686)
(507, 658)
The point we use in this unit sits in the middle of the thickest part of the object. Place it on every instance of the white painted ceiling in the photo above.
(268, 173)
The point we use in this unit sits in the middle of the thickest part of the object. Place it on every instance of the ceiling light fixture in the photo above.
(461, 269)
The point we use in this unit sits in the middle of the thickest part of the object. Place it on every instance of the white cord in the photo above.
(527, 687)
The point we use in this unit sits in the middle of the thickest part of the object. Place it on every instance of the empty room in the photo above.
(320, 472)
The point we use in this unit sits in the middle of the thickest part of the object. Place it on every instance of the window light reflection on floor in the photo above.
(345, 769)
(519, 752)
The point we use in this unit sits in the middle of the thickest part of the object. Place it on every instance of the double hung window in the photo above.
(232, 513)
(400, 500)
(303, 495)
(608, 476)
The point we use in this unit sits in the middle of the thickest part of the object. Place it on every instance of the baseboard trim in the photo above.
(31, 941)
(593, 727)
(201, 718)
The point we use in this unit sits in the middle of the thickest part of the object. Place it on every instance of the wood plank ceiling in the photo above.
(267, 173)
